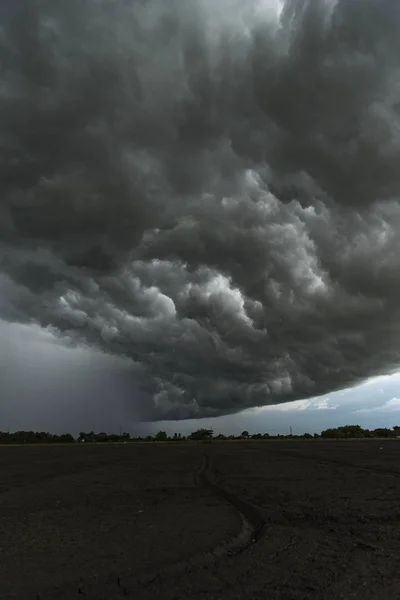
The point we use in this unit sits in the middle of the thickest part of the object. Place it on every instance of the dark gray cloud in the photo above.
(206, 189)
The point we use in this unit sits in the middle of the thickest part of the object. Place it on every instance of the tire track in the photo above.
(252, 529)
(250, 514)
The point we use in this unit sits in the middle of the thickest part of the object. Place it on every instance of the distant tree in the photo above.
(201, 434)
(345, 432)
(353, 431)
(245, 434)
(65, 438)
(307, 436)
(383, 432)
(161, 436)
(34, 437)
(86, 437)
(331, 433)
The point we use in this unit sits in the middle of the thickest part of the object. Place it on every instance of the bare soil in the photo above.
(77, 515)
(114, 521)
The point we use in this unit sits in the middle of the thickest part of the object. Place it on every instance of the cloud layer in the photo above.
(209, 189)
(392, 405)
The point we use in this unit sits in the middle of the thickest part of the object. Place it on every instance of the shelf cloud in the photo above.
(209, 189)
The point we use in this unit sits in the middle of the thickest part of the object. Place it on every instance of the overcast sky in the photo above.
(199, 210)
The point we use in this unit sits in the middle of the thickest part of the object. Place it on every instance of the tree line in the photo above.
(200, 435)
(355, 431)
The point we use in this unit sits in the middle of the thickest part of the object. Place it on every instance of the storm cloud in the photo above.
(209, 189)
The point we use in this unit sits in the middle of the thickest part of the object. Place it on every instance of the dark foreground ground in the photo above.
(102, 521)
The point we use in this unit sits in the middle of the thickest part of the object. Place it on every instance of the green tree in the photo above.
(65, 438)
(201, 434)
(345, 432)
(383, 432)
(161, 436)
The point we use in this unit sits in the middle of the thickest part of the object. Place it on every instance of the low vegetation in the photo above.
(200, 435)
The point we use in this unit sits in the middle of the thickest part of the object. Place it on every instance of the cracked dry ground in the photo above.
(71, 517)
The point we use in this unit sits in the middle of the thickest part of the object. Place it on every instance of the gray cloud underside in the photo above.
(207, 190)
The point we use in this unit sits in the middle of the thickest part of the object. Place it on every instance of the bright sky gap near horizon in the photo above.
(199, 214)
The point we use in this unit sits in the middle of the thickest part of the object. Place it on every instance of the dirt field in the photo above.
(102, 521)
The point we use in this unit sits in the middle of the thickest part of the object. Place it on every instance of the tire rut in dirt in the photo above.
(250, 513)
(253, 527)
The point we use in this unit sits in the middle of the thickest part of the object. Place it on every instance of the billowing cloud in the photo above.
(209, 189)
